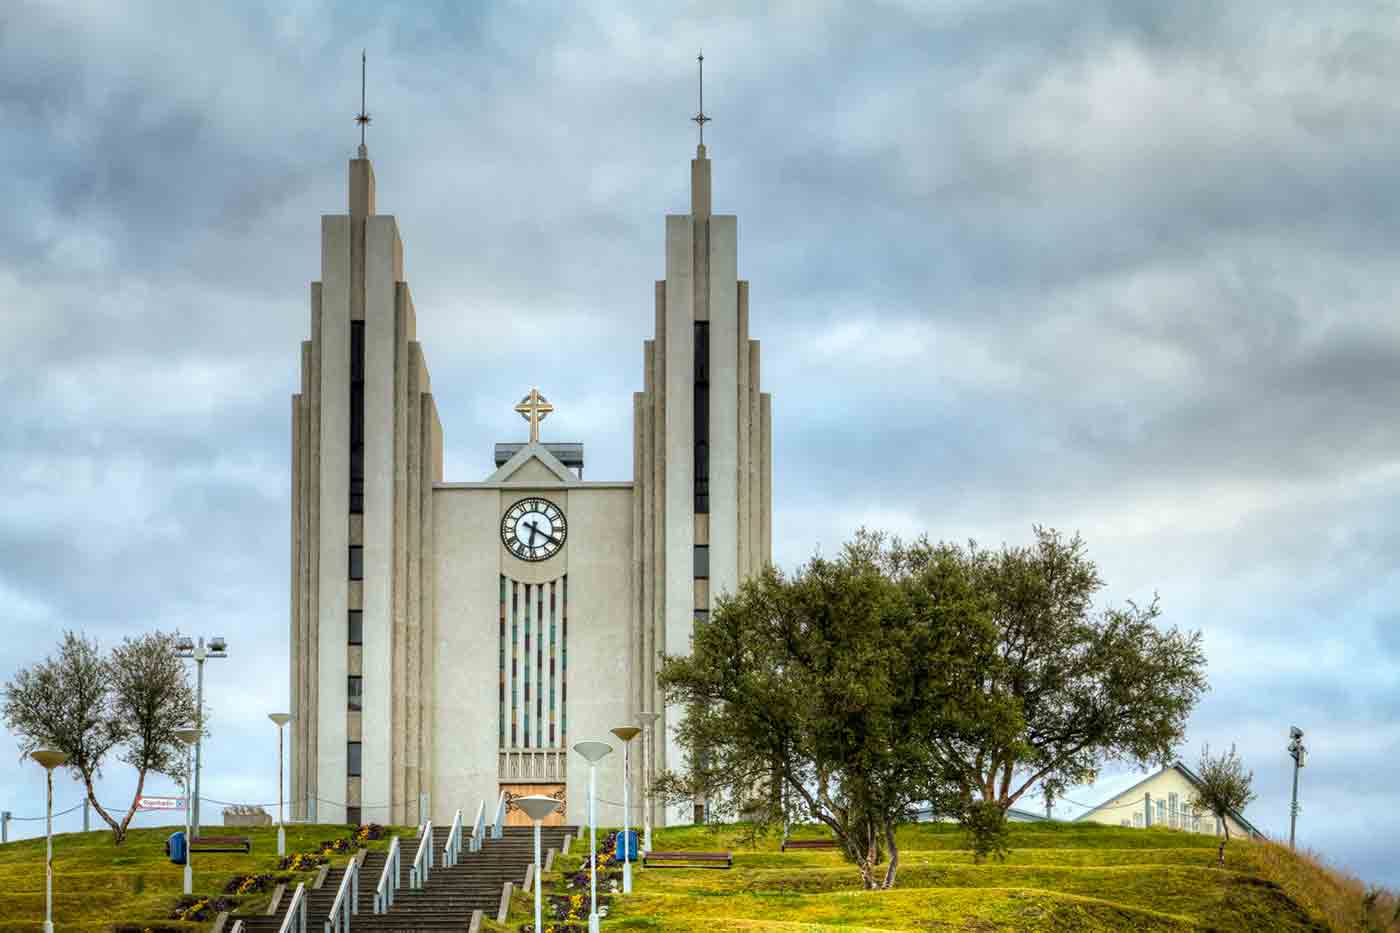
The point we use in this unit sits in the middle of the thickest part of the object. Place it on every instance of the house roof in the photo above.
(1078, 803)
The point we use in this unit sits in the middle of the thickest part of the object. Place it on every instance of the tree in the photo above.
(1225, 788)
(88, 706)
(1071, 690)
(823, 693)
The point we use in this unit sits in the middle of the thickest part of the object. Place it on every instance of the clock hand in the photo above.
(534, 530)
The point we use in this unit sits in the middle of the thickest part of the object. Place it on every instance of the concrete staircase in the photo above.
(446, 902)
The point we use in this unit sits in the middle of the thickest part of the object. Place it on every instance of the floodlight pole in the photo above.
(1299, 753)
(185, 648)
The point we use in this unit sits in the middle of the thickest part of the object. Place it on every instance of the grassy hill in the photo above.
(97, 883)
(1059, 877)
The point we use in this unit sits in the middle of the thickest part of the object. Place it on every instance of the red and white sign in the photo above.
(160, 803)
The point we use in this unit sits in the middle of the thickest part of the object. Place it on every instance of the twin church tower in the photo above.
(453, 640)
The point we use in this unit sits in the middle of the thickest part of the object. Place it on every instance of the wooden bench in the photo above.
(221, 844)
(808, 844)
(688, 860)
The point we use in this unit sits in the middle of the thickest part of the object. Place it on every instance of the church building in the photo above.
(453, 639)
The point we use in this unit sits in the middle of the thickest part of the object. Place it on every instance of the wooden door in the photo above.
(516, 816)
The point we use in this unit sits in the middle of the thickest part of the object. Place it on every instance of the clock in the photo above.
(534, 529)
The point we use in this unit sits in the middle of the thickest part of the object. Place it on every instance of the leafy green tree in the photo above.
(88, 706)
(1226, 788)
(822, 695)
(1069, 689)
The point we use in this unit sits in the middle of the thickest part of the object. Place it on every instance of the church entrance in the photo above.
(516, 816)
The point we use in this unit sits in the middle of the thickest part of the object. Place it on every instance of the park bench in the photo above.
(808, 844)
(687, 860)
(221, 844)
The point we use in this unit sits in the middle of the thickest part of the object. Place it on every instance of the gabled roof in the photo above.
(532, 451)
(1186, 773)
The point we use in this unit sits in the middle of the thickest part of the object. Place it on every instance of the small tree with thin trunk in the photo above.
(1225, 789)
(88, 706)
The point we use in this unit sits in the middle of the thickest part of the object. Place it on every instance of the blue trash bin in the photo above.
(627, 846)
(175, 847)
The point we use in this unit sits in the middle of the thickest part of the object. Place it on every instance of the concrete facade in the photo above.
(541, 653)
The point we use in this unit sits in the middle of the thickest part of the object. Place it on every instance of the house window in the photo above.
(355, 692)
(352, 816)
(702, 561)
(357, 563)
(701, 617)
(357, 627)
(1161, 811)
(1137, 820)
(352, 759)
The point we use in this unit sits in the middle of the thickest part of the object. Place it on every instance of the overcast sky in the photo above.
(1127, 269)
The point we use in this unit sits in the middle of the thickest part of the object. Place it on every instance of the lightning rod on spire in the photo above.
(700, 118)
(362, 117)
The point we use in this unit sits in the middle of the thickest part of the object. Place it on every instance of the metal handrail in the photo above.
(478, 827)
(497, 827)
(453, 847)
(339, 918)
(388, 880)
(423, 859)
(296, 910)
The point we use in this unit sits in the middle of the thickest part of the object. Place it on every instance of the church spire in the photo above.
(361, 171)
(700, 165)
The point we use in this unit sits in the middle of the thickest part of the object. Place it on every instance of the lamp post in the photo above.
(185, 647)
(281, 719)
(648, 719)
(626, 734)
(49, 759)
(594, 752)
(190, 736)
(1300, 754)
(537, 807)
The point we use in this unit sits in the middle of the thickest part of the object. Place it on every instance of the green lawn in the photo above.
(1059, 877)
(97, 883)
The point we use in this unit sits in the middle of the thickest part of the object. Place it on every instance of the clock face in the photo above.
(534, 529)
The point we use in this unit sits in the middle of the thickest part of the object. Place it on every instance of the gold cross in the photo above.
(534, 408)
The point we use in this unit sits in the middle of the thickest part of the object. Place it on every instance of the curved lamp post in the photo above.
(49, 759)
(626, 734)
(281, 719)
(537, 807)
(189, 736)
(648, 755)
(594, 752)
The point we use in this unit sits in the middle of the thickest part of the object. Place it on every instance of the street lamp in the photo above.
(537, 807)
(189, 735)
(281, 719)
(49, 759)
(1300, 754)
(648, 719)
(594, 752)
(185, 647)
(626, 734)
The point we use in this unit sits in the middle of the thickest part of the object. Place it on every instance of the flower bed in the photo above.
(250, 884)
(198, 907)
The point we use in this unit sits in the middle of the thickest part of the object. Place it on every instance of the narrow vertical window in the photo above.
(526, 707)
(702, 417)
(501, 668)
(355, 692)
(356, 627)
(352, 759)
(352, 816)
(702, 562)
(357, 562)
(357, 417)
